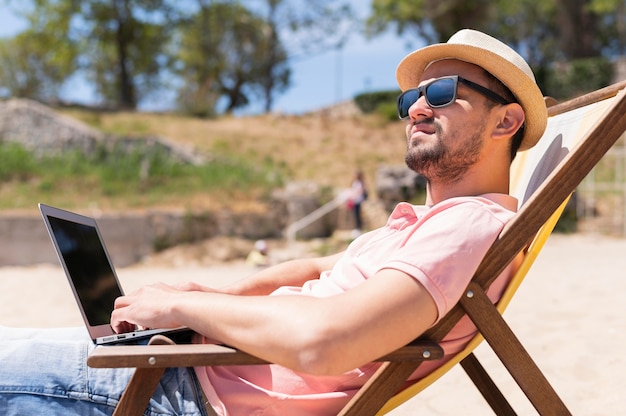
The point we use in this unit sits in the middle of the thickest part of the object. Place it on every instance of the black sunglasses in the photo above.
(441, 93)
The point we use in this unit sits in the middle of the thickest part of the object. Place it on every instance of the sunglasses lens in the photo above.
(406, 100)
(441, 92)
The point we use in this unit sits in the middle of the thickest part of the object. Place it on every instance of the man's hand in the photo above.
(151, 306)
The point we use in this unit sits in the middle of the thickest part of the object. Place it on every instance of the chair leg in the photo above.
(141, 386)
(511, 352)
(140, 389)
(486, 386)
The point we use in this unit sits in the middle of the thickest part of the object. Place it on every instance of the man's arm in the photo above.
(289, 273)
(314, 335)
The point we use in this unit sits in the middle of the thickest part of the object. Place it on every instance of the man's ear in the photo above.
(510, 118)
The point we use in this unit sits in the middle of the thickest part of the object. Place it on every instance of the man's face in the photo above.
(443, 143)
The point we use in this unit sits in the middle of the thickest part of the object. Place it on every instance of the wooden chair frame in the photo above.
(396, 367)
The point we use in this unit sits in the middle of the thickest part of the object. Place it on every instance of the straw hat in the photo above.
(496, 58)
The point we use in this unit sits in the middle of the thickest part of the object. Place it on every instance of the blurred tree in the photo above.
(130, 48)
(223, 52)
(613, 14)
(273, 70)
(578, 29)
(124, 46)
(37, 62)
(565, 41)
(242, 49)
(117, 43)
(307, 27)
(432, 21)
(542, 30)
(298, 29)
(530, 27)
(33, 68)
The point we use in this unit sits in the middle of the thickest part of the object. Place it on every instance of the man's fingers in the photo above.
(121, 302)
(119, 324)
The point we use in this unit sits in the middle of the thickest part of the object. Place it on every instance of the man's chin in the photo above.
(417, 166)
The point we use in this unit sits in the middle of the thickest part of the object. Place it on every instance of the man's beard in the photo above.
(441, 163)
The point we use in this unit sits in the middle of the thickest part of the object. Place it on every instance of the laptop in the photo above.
(88, 267)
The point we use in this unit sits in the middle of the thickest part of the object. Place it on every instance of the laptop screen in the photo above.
(89, 268)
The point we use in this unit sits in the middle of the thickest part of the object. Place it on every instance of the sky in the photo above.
(318, 81)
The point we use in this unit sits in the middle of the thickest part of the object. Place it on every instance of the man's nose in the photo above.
(420, 108)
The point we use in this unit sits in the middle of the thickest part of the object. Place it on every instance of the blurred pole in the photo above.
(338, 72)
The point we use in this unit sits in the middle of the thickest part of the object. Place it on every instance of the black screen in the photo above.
(89, 268)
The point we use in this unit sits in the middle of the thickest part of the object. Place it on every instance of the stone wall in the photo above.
(40, 129)
(131, 236)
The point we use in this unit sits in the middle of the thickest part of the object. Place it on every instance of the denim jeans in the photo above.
(45, 372)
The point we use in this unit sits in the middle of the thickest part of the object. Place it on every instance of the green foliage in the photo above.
(115, 172)
(577, 77)
(381, 102)
(388, 110)
(431, 20)
(17, 163)
(34, 66)
(224, 52)
(119, 45)
(543, 31)
(207, 51)
(368, 102)
(124, 46)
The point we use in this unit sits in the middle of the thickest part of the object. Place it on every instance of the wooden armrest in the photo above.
(192, 355)
(162, 356)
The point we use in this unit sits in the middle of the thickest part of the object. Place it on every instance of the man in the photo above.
(470, 104)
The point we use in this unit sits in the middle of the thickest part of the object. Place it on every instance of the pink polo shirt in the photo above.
(440, 246)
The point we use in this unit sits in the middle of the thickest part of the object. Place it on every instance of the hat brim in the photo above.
(528, 94)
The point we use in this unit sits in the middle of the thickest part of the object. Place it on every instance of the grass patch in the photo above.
(17, 163)
(140, 177)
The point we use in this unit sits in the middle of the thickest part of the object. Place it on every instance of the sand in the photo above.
(569, 313)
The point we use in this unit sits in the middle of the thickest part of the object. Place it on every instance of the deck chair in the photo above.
(572, 123)
(579, 133)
